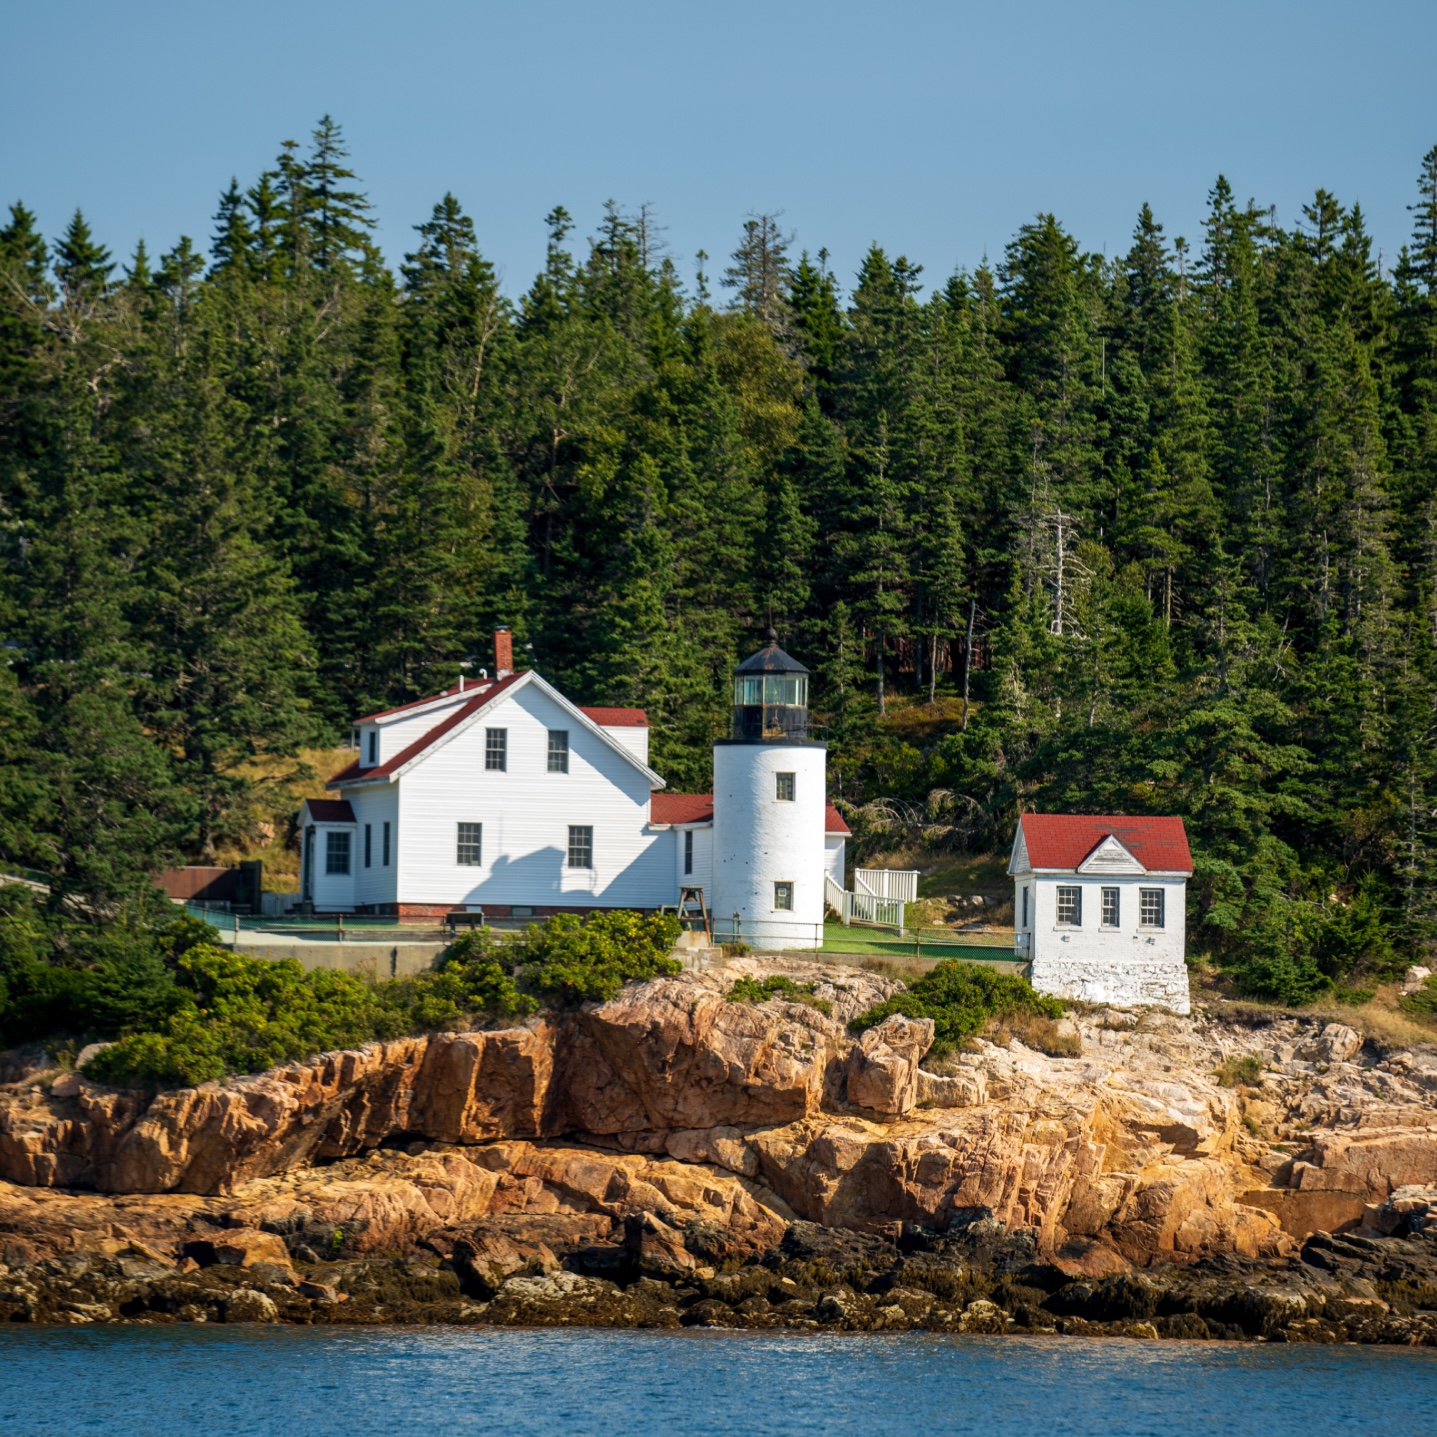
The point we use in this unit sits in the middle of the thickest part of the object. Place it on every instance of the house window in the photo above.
(783, 897)
(1025, 906)
(368, 843)
(1111, 910)
(373, 747)
(784, 792)
(470, 852)
(384, 845)
(1070, 907)
(496, 749)
(336, 852)
(688, 850)
(1150, 907)
(558, 750)
(581, 845)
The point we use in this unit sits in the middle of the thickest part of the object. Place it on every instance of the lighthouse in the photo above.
(770, 802)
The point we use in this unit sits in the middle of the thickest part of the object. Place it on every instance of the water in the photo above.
(231, 1382)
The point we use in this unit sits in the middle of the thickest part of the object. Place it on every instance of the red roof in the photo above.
(617, 718)
(699, 808)
(330, 810)
(383, 770)
(681, 808)
(470, 686)
(1064, 840)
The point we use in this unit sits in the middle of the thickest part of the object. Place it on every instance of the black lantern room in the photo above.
(770, 696)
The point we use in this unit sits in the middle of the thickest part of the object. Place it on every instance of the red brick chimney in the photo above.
(503, 652)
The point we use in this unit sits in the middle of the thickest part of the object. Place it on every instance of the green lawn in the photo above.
(878, 944)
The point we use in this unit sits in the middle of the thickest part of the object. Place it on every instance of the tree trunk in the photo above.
(933, 667)
(968, 658)
(882, 706)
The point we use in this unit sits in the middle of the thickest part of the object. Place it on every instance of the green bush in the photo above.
(760, 990)
(1422, 1003)
(226, 1013)
(960, 998)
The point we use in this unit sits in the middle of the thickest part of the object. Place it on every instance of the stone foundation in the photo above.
(1131, 983)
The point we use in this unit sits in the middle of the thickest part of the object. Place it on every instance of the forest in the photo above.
(1154, 533)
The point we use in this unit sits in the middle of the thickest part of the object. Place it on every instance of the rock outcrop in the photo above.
(670, 1133)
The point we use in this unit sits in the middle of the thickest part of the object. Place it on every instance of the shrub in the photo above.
(1036, 1031)
(227, 1013)
(1422, 1003)
(760, 990)
(1243, 1071)
(960, 998)
(569, 961)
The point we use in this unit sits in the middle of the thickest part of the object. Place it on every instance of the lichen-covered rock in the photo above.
(250, 1305)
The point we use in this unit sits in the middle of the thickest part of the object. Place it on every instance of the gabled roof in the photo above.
(1063, 840)
(462, 715)
(617, 718)
(330, 810)
(699, 808)
(465, 686)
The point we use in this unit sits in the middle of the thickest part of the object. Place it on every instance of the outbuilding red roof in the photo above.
(1064, 840)
(330, 810)
(699, 808)
(617, 718)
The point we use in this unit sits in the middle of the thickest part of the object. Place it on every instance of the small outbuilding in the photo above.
(1099, 906)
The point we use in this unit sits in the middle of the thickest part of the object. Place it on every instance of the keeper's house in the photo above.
(1099, 905)
(502, 794)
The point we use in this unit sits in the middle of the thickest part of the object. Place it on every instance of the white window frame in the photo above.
(1145, 896)
(496, 746)
(559, 752)
(472, 841)
(1076, 890)
(580, 845)
(1116, 895)
(373, 748)
(779, 785)
(337, 840)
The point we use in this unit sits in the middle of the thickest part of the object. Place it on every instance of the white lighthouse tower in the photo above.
(770, 800)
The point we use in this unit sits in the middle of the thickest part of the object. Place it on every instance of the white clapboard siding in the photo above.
(526, 813)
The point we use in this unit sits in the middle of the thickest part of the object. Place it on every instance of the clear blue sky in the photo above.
(933, 128)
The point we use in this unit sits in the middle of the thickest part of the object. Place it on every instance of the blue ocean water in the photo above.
(316, 1382)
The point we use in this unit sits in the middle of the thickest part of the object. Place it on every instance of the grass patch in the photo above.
(760, 990)
(1243, 1071)
(1034, 1030)
(960, 998)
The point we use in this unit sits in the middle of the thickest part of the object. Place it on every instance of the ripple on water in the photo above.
(231, 1382)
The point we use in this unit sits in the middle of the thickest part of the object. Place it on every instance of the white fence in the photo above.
(867, 908)
(899, 883)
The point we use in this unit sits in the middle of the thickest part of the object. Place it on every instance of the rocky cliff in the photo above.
(672, 1137)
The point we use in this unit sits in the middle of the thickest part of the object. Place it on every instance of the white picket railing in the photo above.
(832, 893)
(900, 883)
(867, 908)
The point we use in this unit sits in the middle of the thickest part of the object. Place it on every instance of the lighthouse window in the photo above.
(784, 792)
(783, 897)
